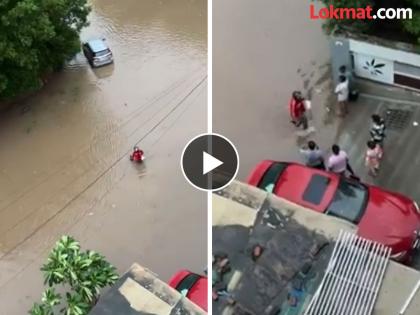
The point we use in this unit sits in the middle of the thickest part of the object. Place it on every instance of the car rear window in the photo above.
(187, 283)
(349, 202)
(315, 191)
(102, 53)
(271, 176)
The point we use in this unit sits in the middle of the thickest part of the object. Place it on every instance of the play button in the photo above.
(209, 162)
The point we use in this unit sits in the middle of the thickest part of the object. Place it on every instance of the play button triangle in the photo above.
(210, 163)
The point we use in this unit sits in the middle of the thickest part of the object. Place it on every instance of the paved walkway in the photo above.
(402, 150)
(400, 169)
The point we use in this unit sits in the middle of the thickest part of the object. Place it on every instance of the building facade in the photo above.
(381, 61)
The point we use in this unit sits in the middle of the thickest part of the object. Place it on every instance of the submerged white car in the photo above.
(97, 53)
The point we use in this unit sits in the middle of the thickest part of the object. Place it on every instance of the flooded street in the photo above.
(261, 53)
(64, 151)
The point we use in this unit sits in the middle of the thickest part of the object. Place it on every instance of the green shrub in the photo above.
(80, 276)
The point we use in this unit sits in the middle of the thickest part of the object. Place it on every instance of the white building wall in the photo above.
(385, 65)
(384, 52)
(373, 68)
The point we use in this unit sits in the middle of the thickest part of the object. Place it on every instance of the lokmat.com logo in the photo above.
(366, 13)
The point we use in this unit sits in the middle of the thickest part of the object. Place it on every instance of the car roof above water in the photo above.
(97, 45)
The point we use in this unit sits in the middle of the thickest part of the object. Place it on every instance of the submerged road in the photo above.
(261, 54)
(64, 152)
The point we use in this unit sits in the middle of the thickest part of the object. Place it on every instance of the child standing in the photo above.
(377, 131)
(373, 157)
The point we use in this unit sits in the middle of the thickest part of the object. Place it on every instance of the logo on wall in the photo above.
(373, 67)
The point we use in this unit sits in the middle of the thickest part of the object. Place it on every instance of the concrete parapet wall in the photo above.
(239, 204)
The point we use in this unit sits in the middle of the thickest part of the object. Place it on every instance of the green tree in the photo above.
(80, 275)
(413, 26)
(36, 38)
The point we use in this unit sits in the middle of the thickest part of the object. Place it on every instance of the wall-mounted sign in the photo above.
(374, 68)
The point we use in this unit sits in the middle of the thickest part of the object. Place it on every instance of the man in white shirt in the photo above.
(342, 91)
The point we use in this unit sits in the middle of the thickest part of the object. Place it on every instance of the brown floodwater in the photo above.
(262, 51)
(64, 165)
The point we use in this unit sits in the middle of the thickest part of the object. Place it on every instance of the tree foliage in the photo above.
(413, 26)
(37, 37)
(409, 28)
(80, 275)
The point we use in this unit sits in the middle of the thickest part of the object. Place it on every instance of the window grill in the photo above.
(352, 279)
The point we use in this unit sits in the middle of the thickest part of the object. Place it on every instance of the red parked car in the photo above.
(191, 285)
(383, 216)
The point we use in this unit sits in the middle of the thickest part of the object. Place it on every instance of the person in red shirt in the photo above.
(298, 110)
(137, 155)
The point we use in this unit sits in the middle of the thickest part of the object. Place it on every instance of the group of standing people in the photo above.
(375, 146)
(299, 107)
(338, 161)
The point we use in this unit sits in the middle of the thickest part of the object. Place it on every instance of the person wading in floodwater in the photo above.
(313, 156)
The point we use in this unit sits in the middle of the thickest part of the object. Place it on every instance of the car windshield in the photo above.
(187, 283)
(271, 176)
(349, 202)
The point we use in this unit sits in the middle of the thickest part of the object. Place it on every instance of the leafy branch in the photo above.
(81, 275)
(36, 38)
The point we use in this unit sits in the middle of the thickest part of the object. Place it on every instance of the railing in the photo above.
(352, 279)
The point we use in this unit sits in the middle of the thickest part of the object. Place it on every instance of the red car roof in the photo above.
(293, 181)
(198, 292)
